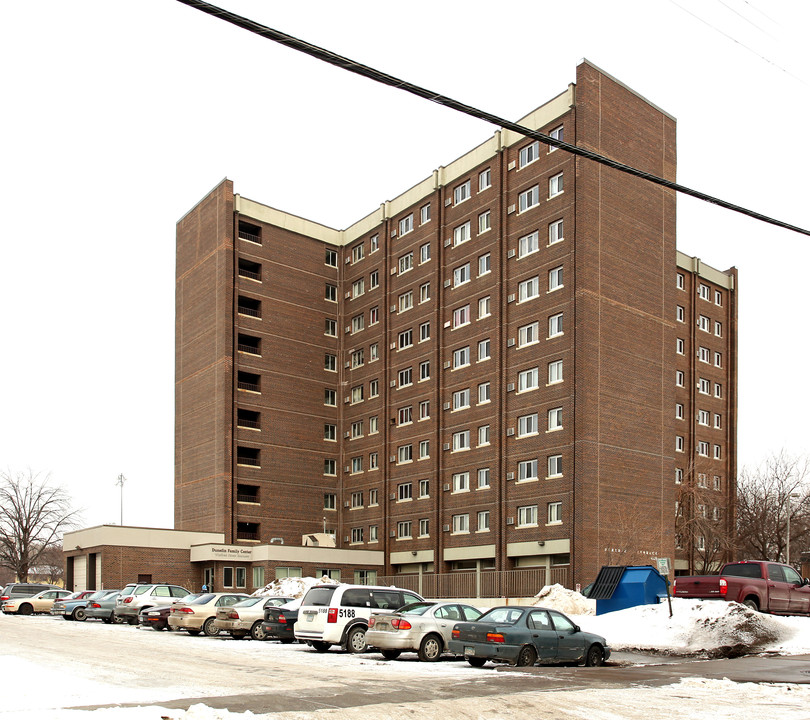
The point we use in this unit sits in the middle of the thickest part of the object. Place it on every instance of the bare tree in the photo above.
(50, 567)
(767, 496)
(33, 515)
(629, 539)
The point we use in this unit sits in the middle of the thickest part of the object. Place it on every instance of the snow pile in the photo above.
(290, 586)
(712, 628)
(570, 602)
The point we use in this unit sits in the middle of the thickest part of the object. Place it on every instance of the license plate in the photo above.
(310, 618)
(469, 650)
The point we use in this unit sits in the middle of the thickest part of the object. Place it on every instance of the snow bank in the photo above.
(713, 628)
(290, 587)
(570, 602)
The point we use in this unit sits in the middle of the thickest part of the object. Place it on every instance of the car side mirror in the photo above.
(577, 628)
(806, 581)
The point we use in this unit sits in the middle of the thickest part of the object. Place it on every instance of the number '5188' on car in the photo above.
(523, 635)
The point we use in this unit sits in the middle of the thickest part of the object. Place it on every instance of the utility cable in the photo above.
(380, 77)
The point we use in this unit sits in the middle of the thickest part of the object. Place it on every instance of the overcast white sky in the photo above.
(118, 117)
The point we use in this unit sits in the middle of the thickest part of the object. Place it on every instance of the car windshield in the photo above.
(202, 599)
(416, 608)
(74, 596)
(502, 616)
(248, 602)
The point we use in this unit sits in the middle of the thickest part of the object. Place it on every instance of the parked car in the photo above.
(102, 608)
(199, 614)
(338, 614)
(521, 636)
(157, 617)
(279, 622)
(73, 607)
(17, 590)
(39, 603)
(765, 586)
(422, 627)
(136, 596)
(246, 616)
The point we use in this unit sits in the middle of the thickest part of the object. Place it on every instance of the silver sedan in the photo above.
(421, 627)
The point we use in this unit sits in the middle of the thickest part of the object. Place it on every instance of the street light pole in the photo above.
(120, 482)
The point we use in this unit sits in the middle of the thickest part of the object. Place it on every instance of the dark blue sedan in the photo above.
(525, 635)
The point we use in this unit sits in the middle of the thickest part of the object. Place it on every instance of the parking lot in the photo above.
(90, 666)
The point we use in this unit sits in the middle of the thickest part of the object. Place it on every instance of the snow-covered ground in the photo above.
(49, 665)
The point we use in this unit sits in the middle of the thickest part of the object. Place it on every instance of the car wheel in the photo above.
(430, 648)
(356, 640)
(80, 614)
(476, 661)
(595, 656)
(751, 603)
(209, 628)
(117, 619)
(256, 631)
(526, 657)
(391, 654)
(321, 646)
(107, 620)
(26, 609)
(193, 632)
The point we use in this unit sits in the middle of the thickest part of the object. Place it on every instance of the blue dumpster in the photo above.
(626, 586)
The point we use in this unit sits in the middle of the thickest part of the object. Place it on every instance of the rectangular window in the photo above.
(461, 523)
(424, 449)
(330, 293)
(718, 329)
(704, 355)
(357, 357)
(679, 281)
(405, 453)
(424, 409)
(718, 421)
(461, 440)
(329, 467)
(461, 193)
(404, 529)
(717, 452)
(461, 234)
(424, 370)
(484, 179)
(405, 491)
(704, 323)
(330, 362)
(484, 222)
(372, 461)
(555, 419)
(703, 448)
(331, 258)
(483, 520)
(678, 476)
(373, 388)
(424, 292)
(358, 252)
(555, 466)
(528, 380)
(373, 535)
(557, 134)
(374, 243)
(358, 323)
(424, 253)
(405, 301)
(357, 394)
(424, 214)
(405, 339)
(357, 429)
(424, 331)
(424, 527)
(405, 263)
(528, 199)
(679, 378)
(461, 482)
(484, 307)
(461, 357)
(483, 435)
(704, 291)
(372, 498)
(718, 390)
(461, 399)
(483, 350)
(461, 275)
(329, 431)
(678, 411)
(718, 359)
(373, 425)
(405, 415)
(527, 425)
(679, 313)
(374, 315)
(555, 185)
(358, 288)
(718, 298)
(329, 397)
(461, 316)
(484, 264)
(555, 279)
(483, 393)
(529, 334)
(703, 417)
(555, 372)
(528, 244)
(555, 232)
(406, 225)
(374, 279)
(527, 515)
(679, 346)
(704, 386)
(227, 577)
(357, 499)
(357, 535)
(529, 154)
(424, 488)
(329, 501)
(529, 289)
(483, 478)
(527, 470)
(330, 327)
(554, 513)
(405, 377)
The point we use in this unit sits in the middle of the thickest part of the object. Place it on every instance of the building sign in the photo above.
(227, 553)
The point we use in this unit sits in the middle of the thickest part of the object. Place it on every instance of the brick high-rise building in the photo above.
(495, 370)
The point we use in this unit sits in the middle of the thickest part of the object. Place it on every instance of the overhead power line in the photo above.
(380, 77)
